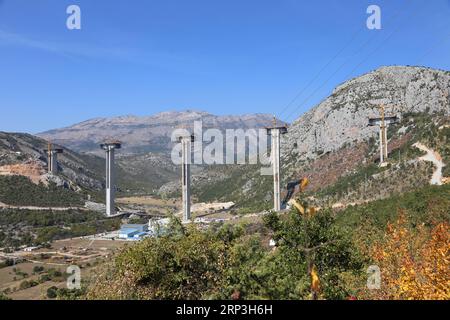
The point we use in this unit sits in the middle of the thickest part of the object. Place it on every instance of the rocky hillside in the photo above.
(333, 146)
(342, 118)
(146, 134)
(23, 154)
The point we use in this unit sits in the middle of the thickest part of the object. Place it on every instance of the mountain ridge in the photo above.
(342, 117)
(329, 144)
(141, 134)
(334, 147)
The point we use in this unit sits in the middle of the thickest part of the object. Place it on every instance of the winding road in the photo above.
(436, 159)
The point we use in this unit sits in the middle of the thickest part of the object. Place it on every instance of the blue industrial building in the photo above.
(133, 231)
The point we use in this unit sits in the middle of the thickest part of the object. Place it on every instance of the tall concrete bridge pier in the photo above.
(383, 122)
(52, 158)
(275, 133)
(186, 159)
(110, 148)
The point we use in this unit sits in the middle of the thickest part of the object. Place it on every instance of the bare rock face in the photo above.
(342, 118)
(94, 206)
(34, 170)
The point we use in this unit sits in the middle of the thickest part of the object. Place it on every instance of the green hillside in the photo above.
(20, 191)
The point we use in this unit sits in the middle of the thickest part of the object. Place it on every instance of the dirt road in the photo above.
(436, 159)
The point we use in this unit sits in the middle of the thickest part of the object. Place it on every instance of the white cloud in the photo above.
(164, 60)
(65, 49)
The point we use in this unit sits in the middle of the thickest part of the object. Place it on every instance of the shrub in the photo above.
(52, 292)
(38, 269)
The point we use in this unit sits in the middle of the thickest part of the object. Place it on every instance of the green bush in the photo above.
(3, 297)
(38, 269)
(27, 284)
(6, 263)
(229, 260)
(52, 292)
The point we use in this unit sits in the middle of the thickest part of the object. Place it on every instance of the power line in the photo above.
(440, 42)
(319, 73)
(377, 48)
(342, 65)
(326, 66)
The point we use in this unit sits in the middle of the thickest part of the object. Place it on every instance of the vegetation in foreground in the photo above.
(229, 262)
(318, 255)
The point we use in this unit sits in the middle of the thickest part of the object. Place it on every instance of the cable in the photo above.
(440, 42)
(329, 62)
(320, 72)
(376, 49)
(343, 64)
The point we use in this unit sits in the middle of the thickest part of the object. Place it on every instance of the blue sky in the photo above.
(226, 57)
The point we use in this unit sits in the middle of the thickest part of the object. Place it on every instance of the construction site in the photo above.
(316, 167)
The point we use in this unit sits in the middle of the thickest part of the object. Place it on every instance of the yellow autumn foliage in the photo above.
(315, 281)
(414, 263)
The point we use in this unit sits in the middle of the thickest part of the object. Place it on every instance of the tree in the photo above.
(414, 263)
(52, 292)
(312, 247)
(184, 265)
(244, 266)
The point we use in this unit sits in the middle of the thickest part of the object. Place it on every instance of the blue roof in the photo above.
(134, 226)
(128, 231)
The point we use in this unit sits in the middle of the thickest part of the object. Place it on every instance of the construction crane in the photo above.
(291, 189)
(303, 183)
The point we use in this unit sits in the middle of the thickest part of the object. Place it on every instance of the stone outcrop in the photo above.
(342, 118)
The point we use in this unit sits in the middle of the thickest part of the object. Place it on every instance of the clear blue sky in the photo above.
(223, 56)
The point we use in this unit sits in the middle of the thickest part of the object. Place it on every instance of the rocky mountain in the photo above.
(23, 154)
(338, 125)
(333, 146)
(342, 118)
(146, 134)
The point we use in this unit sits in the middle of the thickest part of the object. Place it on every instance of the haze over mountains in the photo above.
(147, 133)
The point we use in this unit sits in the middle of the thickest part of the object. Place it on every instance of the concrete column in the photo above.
(110, 181)
(381, 146)
(186, 177)
(275, 134)
(385, 144)
(52, 160)
(54, 163)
